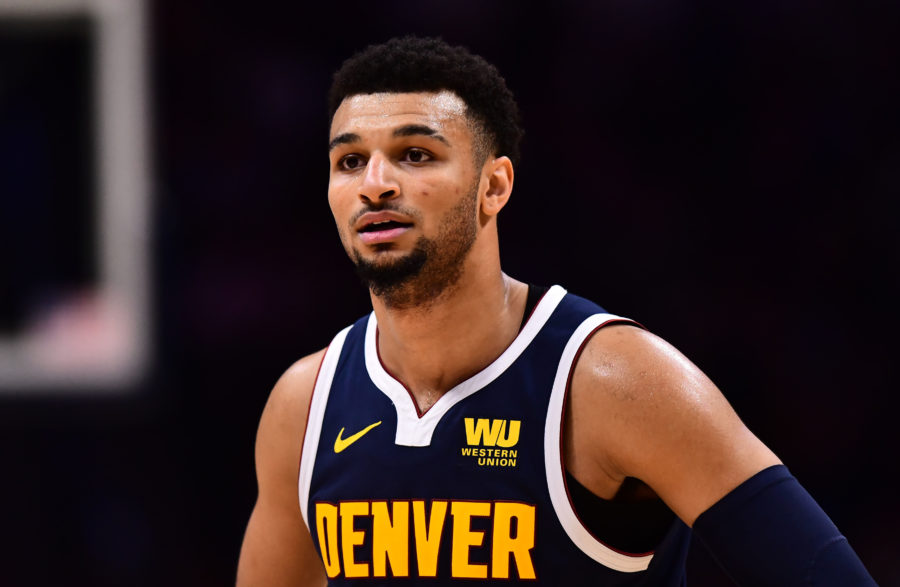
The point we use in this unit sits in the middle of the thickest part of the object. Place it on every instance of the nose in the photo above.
(379, 181)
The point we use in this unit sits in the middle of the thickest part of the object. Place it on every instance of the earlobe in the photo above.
(499, 188)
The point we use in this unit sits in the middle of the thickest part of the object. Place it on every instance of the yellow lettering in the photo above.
(428, 535)
(464, 538)
(512, 436)
(483, 431)
(505, 544)
(492, 432)
(390, 539)
(351, 537)
(327, 529)
(512, 538)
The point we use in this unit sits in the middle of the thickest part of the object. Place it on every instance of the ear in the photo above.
(499, 185)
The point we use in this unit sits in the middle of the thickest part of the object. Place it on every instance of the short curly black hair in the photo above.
(416, 64)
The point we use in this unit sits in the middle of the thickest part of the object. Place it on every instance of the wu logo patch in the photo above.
(484, 436)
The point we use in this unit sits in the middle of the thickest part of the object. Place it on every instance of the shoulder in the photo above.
(283, 422)
(294, 388)
(626, 361)
(646, 411)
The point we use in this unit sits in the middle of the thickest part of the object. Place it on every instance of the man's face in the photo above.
(403, 190)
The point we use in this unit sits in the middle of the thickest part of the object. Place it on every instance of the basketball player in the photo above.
(475, 428)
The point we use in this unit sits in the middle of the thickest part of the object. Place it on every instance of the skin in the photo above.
(637, 408)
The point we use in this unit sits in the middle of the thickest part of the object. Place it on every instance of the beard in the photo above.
(431, 268)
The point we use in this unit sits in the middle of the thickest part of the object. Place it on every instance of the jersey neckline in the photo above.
(414, 429)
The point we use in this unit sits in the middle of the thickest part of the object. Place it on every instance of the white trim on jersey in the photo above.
(582, 538)
(413, 430)
(314, 419)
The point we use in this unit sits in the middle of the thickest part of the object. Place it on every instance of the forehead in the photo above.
(444, 111)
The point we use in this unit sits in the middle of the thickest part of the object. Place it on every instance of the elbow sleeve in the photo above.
(770, 531)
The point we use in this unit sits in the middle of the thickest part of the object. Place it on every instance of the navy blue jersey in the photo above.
(474, 488)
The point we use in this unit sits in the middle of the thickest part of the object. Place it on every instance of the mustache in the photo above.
(386, 207)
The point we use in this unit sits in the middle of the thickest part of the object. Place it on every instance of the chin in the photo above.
(389, 269)
(381, 253)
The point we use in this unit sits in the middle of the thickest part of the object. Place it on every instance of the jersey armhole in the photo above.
(317, 403)
(553, 449)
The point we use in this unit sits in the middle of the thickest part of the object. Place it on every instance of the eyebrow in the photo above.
(343, 139)
(408, 130)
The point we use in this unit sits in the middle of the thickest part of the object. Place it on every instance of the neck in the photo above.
(434, 347)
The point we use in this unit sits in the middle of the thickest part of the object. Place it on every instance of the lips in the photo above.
(381, 227)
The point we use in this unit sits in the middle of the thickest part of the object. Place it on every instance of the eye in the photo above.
(417, 156)
(351, 162)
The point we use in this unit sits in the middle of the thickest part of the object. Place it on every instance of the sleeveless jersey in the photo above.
(473, 488)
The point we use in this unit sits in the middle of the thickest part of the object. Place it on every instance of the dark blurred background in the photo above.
(726, 173)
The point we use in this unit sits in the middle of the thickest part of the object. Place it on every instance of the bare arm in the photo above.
(277, 548)
(639, 408)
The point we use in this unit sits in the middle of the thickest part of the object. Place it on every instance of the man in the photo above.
(475, 427)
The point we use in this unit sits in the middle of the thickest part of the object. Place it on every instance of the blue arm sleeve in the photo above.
(770, 531)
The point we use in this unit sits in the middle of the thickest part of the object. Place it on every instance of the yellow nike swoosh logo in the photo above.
(342, 443)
